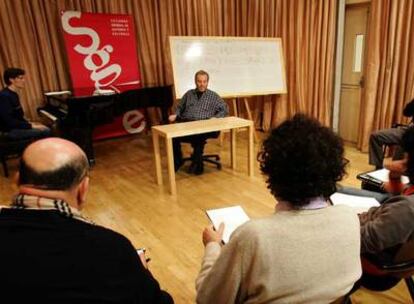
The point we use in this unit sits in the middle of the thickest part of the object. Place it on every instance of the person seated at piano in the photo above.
(12, 121)
(197, 104)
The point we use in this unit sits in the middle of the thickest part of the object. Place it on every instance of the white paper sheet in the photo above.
(383, 175)
(358, 203)
(232, 217)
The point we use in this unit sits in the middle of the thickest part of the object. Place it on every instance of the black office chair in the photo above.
(395, 264)
(11, 148)
(208, 158)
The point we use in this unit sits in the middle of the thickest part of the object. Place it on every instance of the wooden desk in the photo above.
(198, 127)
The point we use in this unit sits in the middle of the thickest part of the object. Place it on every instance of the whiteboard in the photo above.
(238, 66)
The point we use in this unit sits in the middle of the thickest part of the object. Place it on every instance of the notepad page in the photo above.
(358, 203)
(232, 217)
(383, 175)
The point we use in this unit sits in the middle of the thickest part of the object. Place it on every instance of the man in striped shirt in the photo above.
(197, 104)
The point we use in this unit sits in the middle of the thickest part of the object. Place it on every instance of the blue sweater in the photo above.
(11, 112)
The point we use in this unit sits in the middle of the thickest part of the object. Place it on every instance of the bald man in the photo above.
(51, 253)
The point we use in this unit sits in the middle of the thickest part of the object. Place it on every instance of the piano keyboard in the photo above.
(48, 115)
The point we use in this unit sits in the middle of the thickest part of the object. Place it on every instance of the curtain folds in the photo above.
(389, 70)
(31, 38)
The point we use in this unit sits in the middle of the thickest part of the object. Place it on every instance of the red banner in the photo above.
(102, 55)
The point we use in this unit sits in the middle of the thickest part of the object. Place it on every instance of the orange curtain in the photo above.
(308, 31)
(31, 38)
(389, 69)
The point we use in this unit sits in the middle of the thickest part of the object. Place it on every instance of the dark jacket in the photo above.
(389, 225)
(48, 258)
(11, 112)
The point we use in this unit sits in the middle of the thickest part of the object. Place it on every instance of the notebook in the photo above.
(232, 217)
(379, 176)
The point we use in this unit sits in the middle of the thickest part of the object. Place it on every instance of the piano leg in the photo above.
(4, 163)
(83, 138)
(89, 151)
(91, 162)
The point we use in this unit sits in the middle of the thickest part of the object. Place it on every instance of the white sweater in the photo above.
(306, 256)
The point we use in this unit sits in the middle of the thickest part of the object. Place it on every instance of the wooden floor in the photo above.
(125, 198)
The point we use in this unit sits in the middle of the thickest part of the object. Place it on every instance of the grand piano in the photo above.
(76, 116)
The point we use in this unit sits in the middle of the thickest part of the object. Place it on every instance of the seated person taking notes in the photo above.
(392, 223)
(308, 251)
(197, 104)
(51, 253)
(390, 136)
(389, 228)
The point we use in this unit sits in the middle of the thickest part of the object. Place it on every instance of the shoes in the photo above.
(177, 165)
(192, 167)
(199, 169)
(196, 168)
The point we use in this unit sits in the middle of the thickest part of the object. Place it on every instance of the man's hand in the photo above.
(172, 118)
(399, 166)
(142, 257)
(394, 185)
(210, 235)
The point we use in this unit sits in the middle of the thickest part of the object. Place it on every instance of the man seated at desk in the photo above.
(197, 104)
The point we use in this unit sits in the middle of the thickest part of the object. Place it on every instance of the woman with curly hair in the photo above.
(308, 251)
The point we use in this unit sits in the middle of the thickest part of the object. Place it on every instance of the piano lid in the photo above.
(119, 88)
